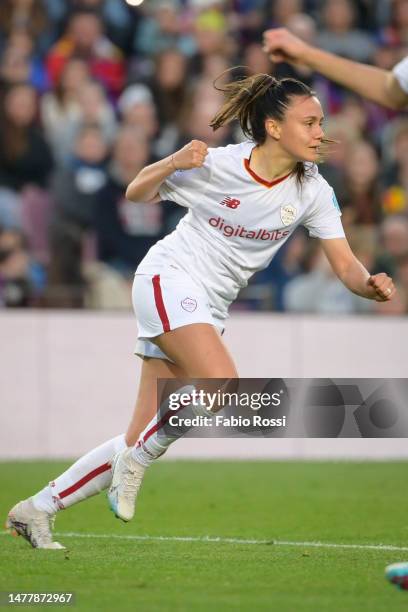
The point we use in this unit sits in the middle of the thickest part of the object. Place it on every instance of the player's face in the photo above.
(301, 131)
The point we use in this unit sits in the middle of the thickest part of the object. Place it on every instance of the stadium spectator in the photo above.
(393, 233)
(339, 34)
(25, 158)
(60, 108)
(125, 232)
(75, 188)
(395, 33)
(282, 11)
(246, 21)
(362, 199)
(170, 88)
(94, 108)
(30, 17)
(254, 59)
(118, 18)
(163, 29)
(212, 38)
(137, 108)
(19, 63)
(84, 38)
(22, 280)
(196, 123)
(76, 192)
(89, 106)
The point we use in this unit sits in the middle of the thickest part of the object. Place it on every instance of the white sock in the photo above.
(86, 477)
(154, 441)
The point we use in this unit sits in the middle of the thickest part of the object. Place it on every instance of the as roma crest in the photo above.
(288, 214)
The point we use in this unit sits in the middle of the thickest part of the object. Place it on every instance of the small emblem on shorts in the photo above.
(288, 214)
(189, 304)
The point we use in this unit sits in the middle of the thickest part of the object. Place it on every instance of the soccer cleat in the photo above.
(397, 573)
(34, 525)
(127, 476)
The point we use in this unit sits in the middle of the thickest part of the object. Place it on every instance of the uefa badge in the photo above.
(288, 214)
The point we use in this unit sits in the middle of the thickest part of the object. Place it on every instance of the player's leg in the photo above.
(90, 474)
(197, 350)
(34, 517)
(146, 402)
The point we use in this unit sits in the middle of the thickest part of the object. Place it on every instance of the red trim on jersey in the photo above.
(158, 298)
(262, 181)
(77, 485)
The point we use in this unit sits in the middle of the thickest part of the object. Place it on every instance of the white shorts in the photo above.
(166, 301)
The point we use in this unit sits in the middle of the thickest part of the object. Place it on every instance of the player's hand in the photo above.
(283, 46)
(381, 286)
(192, 155)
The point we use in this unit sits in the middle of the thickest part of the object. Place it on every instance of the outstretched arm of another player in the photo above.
(145, 186)
(353, 274)
(374, 83)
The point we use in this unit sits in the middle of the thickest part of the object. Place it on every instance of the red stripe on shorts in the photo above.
(77, 485)
(158, 298)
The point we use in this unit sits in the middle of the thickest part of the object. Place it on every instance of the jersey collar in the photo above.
(259, 179)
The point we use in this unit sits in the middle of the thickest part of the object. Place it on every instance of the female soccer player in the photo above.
(244, 202)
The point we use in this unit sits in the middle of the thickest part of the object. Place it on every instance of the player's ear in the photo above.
(273, 129)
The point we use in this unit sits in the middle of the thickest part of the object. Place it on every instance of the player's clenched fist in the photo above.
(283, 46)
(382, 287)
(192, 155)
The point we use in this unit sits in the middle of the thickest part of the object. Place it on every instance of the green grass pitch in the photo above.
(277, 506)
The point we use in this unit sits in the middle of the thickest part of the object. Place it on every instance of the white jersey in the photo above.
(400, 71)
(237, 222)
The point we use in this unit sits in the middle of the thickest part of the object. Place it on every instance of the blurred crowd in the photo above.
(93, 90)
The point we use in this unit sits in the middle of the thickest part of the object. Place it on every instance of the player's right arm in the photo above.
(145, 186)
(380, 86)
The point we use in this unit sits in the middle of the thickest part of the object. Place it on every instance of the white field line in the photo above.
(222, 540)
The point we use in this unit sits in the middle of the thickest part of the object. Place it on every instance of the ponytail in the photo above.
(254, 99)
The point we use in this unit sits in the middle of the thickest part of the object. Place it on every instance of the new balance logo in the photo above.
(230, 202)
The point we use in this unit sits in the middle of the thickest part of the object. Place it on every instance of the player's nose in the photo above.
(319, 133)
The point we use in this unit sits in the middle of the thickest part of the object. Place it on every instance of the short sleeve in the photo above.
(323, 219)
(401, 74)
(186, 186)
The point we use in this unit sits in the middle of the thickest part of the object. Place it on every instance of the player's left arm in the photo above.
(353, 274)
